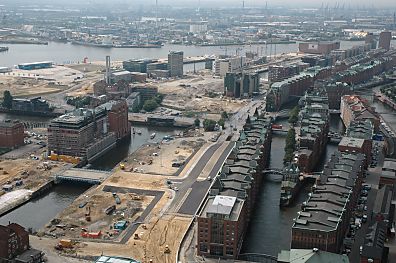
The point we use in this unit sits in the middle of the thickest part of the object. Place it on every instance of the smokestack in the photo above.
(108, 70)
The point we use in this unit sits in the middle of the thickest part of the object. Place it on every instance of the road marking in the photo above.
(183, 199)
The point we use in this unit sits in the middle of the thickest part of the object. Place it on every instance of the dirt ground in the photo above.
(201, 93)
(160, 229)
(158, 159)
(32, 172)
(72, 220)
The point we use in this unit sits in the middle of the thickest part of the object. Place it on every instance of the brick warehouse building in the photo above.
(11, 134)
(118, 119)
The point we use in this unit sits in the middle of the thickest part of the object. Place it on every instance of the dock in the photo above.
(82, 176)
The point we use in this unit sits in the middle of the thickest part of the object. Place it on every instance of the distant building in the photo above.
(280, 72)
(384, 40)
(318, 47)
(133, 101)
(153, 68)
(146, 91)
(120, 76)
(11, 134)
(175, 63)
(31, 105)
(138, 65)
(356, 108)
(370, 39)
(356, 145)
(36, 65)
(240, 85)
(229, 65)
(198, 27)
(15, 247)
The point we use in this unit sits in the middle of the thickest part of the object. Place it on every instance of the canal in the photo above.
(270, 228)
(39, 211)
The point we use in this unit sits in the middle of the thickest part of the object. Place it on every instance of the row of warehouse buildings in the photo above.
(338, 79)
(226, 212)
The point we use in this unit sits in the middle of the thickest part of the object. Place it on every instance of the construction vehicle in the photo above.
(64, 243)
(122, 166)
(136, 236)
(167, 250)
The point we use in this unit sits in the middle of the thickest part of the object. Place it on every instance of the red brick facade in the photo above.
(11, 134)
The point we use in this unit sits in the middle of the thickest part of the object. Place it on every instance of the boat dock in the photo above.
(82, 176)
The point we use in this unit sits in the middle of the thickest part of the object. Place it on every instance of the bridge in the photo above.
(256, 257)
(279, 174)
(82, 176)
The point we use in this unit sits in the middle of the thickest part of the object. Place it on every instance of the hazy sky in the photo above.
(229, 3)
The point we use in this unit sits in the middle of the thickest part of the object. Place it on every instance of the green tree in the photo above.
(221, 123)
(197, 122)
(209, 125)
(7, 99)
(224, 115)
(150, 105)
(290, 145)
(293, 118)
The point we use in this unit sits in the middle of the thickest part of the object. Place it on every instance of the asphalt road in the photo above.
(372, 178)
(184, 184)
(199, 189)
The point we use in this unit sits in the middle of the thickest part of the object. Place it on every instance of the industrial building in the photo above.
(318, 47)
(36, 65)
(229, 65)
(31, 105)
(12, 134)
(89, 133)
(175, 63)
(241, 85)
(137, 65)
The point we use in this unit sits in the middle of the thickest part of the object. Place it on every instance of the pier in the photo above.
(82, 176)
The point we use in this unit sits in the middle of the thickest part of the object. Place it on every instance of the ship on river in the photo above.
(3, 49)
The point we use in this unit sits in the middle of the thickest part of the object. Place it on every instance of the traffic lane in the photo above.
(354, 256)
(200, 165)
(194, 199)
(200, 189)
(184, 184)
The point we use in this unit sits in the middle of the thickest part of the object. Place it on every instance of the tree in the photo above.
(221, 122)
(7, 99)
(224, 115)
(197, 122)
(293, 118)
(150, 105)
(209, 125)
(290, 145)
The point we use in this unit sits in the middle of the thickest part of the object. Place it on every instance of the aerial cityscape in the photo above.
(197, 131)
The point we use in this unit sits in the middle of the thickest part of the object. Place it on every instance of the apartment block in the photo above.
(240, 85)
(175, 63)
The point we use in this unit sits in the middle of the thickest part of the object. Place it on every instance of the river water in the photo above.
(270, 228)
(39, 211)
